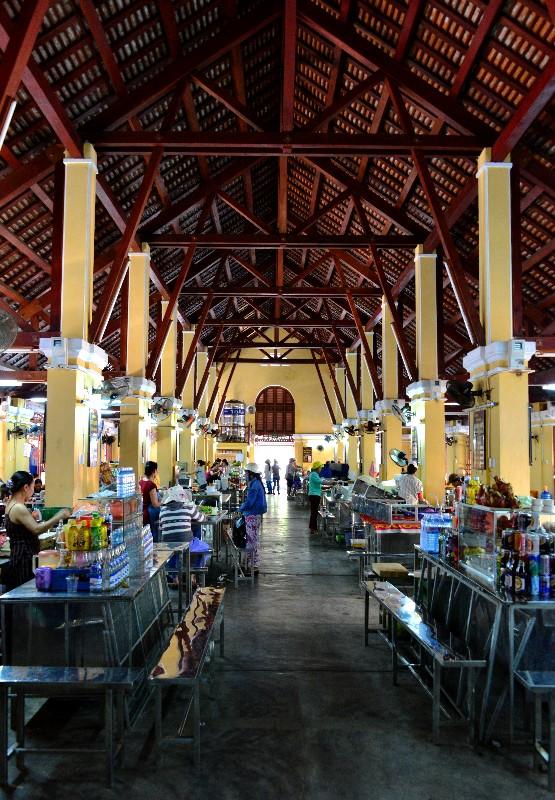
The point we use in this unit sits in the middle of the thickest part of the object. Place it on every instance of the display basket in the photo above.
(48, 512)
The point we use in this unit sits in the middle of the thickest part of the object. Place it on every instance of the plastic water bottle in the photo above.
(95, 577)
(546, 494)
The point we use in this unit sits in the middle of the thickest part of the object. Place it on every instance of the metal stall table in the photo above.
(124, 627)
(514, 634)
(183, 553)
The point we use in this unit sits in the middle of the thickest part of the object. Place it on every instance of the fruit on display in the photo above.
(499, 495)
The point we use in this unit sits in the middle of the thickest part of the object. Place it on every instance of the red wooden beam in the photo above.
(456, 272)
(209, 362)
(483, 30)
(119, 266)
(183, 373)
(529, 108)
(226, 388)
(227, 100)
(338, 395)
(371, 57)
(149, 93)
(238, 290)
(219, 374)
(324, 390)
(279, 242)
(410, 24)
(163, 330)
(294, 143)
(395, 216)
(196, 197)
(372, 369)
(18, 52)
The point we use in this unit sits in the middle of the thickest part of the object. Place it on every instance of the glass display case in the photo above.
(125, 515)
(391, 510)
(480, 530)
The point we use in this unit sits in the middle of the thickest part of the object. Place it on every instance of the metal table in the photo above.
(515, 634)
(124, 627)
(215, 521)
(182, 551)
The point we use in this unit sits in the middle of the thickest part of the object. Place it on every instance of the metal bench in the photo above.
(55, 681)
(542, 685)
(183, 661)
(397, 608)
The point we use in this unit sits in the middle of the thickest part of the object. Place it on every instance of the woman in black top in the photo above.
(23, 530)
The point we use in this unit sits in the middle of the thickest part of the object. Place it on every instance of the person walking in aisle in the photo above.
(275, 476)
(151, 498)
(268, 476)
(290, 475)
(314, 495)
(252, 509)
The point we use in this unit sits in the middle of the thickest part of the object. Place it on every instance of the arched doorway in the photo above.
(275, 412)
(274, 426)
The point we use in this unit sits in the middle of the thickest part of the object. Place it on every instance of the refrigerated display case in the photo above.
(480, 529)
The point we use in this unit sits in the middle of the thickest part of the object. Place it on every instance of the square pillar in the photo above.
(494, 218)
(72, 458)
(78, 244)
(135, 422)
(368, 440)
(186, 440)
(340, 448)
(167, 427)
(390, 355)
(353, 458)
(504, 376)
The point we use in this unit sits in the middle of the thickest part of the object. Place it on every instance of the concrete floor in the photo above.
(303, 710)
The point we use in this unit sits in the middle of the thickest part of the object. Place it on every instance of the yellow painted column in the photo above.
(135, 422)
(186, 440)
(72, 459)
(211, 441)
(425, 274)
(500, 367)
(201, 443)
(341, 446)
(427, 394)
(352, 441)
(74, 366)
(494, 218)
(392, 430)
(167, 427)
(390, 355)
(78, 244)
(543, 467)
(368, 440)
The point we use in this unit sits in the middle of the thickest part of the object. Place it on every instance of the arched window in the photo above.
(275, 412)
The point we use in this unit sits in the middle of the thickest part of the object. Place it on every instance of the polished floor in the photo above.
(302, 710)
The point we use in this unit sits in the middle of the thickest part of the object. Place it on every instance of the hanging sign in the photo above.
(273, 439)
(307, 455)
(94, 436)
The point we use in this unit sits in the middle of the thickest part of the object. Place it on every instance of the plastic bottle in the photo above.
(95, 577)
(546, 494)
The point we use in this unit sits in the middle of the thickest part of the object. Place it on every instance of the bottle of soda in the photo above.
(533, 587)
(545, 577)
(510, 567)
(519, 584)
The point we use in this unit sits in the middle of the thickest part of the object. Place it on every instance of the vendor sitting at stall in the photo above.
(23, 530)
(410, 487)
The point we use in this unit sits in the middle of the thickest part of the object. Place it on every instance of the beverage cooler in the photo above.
(480, 532)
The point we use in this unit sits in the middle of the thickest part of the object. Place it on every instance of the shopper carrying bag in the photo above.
(314, 496)
(252, 509)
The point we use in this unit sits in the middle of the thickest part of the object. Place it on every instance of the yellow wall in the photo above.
(541, 470)
(301, 380)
